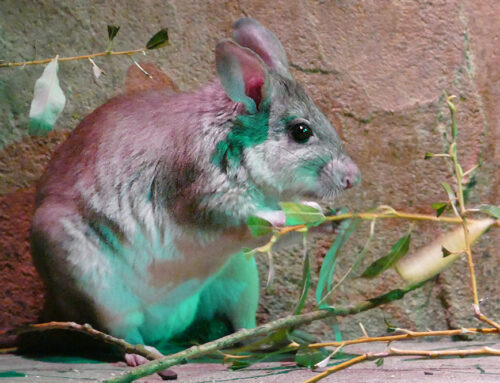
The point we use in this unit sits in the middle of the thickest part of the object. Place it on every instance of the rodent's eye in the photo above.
(300, 132)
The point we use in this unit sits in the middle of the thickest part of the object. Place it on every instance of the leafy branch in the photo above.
(265, 330)
(158, 40)
(467, 235)
(72, 58)
(164, 362)
(49, 99)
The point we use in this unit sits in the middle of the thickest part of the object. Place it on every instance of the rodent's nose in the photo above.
(351, 175)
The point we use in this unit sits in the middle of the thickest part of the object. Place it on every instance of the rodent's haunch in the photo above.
(140, 215)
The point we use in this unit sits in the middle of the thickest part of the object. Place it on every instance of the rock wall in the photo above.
(377, 69)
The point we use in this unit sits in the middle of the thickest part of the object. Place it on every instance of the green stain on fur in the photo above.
(247, 131)
(288, 119)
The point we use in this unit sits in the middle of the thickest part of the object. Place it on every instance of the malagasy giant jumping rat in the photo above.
(140, 215)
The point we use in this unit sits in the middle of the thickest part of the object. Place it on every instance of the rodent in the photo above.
(140, 215)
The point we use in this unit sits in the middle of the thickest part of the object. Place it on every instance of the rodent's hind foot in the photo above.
(134, 360)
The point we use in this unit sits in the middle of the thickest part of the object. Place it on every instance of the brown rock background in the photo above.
(376, 68)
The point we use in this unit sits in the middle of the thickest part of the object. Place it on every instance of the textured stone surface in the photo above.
(377, 69)
(395, 369)
(21, 293)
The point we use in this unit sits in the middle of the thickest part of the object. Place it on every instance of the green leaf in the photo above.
(449, 191)
(470, 185)
(481, 370)
(454, 130)
(460, 171)
(306, 281)
(346, 228)
(239, 364)
(379, 362)
(393, 295)
(112, 31)
(306, 357)
(259, 226)
(428, 155)
(248, 251)
(440, 207)
(445, 251)
(453, 150)
(298, 214)
(357, 260)
(338, 334)
(491, 210)
(398, 251)
(11, 374)
(48, 101)
(301, 337)
(450, 104)
(160, 39)
(390, 327)
(278, 336)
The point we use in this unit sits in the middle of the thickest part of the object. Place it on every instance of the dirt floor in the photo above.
(18, 369)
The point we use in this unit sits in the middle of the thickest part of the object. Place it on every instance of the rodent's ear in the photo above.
(251, 34)
(242, 74)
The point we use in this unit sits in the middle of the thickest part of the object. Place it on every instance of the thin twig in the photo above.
(483, 318)
(408, 334)
(463, 210)
(372, 216)
(458, 174)
(470, 262)
(397, 352)
(385, 215)
(338, 367)
(395, 214)
(73, 58)
(123, 345)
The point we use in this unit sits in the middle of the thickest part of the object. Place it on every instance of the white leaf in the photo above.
(323, 363)
(431, 260)
(97, 71)
(48, 100)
